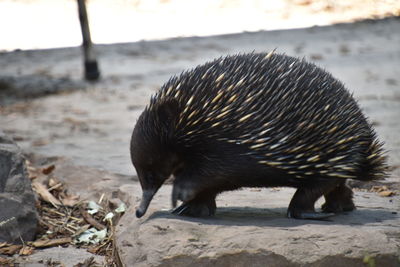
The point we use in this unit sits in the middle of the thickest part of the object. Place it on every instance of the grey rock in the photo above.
(67, 257)
(34, 85)
(18, 216)
(251, 229)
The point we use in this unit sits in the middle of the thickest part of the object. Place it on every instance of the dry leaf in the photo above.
(91, 236)
(387, 193)
(32, 171)
(384, 188)
(5, 261)
(53, 182)
(10, 249)
(26, 250)
(379, 188)
(51, 242)
(69, 200)
(44, 193)
(93, 250)
(49, 169)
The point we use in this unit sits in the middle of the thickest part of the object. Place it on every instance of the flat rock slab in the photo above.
(250, 229)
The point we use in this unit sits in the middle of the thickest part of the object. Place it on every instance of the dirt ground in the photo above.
(49, 110)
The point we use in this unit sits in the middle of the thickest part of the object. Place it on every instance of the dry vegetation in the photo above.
(64, 220)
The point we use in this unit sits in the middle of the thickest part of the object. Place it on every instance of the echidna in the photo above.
(255, 120)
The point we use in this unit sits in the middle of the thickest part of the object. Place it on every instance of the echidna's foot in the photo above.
(339, 199)
(308, 215)
(302, 204)
(339, 206)
(196, 208)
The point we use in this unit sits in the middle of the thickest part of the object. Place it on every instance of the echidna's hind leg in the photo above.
(339, 199)
(202, 205)
(302, 204)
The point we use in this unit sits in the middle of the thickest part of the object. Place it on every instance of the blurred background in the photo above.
(33, 24)
(49, 109)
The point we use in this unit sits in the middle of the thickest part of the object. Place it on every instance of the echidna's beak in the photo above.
(144, 204)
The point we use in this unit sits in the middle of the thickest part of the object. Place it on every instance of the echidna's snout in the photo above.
(147, 196)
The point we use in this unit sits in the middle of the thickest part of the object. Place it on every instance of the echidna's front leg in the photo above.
(201, 206)
(197, 201)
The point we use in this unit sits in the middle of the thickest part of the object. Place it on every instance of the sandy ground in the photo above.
(92, 126)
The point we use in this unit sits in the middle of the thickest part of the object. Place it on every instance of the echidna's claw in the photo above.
(179, 210)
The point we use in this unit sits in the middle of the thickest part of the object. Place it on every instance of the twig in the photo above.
(79, 220)
(55, 186)
(81, 230)
(52, 242)
(92, 221)
(53, 211)
(69, 230)
(101, 198)
(73, 227)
